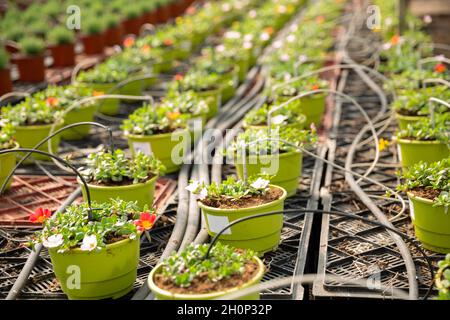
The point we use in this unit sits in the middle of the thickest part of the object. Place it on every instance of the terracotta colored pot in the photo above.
(113, 36)
(31, 68)
(5, 81)
(165, 13)
(63, 55)
(93, 44)
(132, 26)
(11, 48)
(150, 17)
(173, 9)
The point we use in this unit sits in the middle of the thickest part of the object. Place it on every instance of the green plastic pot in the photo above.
(259, 234)
(229, 84)
(109, 107)
(197, 132)
(214, 100)
(431, 224)
(142, 193)
(82, 114)
(243, 64)
(106, 273)
(183, 50)
(161, 146)
(313, 107)
(162, 294)
(29, 136)
(286, 174)
(414, 151)
(403, 121)
(300, 124)
(7, 164)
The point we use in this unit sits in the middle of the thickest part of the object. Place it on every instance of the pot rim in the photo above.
(241, 210)
(40, 126)
(16, 146)
(420, 199)
(408, 141)
(281, 155)
(403, 117)
(122, 188)
(108, 246)
(204, 296)
(156, 136)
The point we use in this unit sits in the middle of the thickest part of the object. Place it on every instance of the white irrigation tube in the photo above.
(311, 278)
(432, 113)
(14, 94)
(436, 80)
(432, 59)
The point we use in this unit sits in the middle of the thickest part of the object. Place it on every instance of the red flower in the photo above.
(315, 87)
(440, 68)
(145, 48)
(178, 77)
(40, 215)
(128, 42)
(145, 222)
(167, 42)
(395, 39)
(52, 101)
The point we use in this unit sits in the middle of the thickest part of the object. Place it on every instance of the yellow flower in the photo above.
(383, 144)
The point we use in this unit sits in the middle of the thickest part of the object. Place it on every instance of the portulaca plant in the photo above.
(112, 221)
(231, 188)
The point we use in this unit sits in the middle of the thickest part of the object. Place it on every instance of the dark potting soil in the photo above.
(125, 182)
(112, 238)
(201, 284)
(251, 201)
(425, 193)
(408, 113)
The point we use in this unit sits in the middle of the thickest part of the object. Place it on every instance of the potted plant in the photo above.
(194, 107)
(410, 80)
(149, 12)
(8, 160)
(312, 106)
(114, 30)
(428, 189)
(30, 60)
(5, 73)
(92, 36)
(32, 120)
(103, 244)
(414, 105)
(280, 160)
(289, 117)
(158, 131)
(424, 141)
(62, 46)
(103, 79)
(204, 85)
(133, 19)
(190, 276)
(62, 97)
(233, 199)
(442, 278)
(112, 175)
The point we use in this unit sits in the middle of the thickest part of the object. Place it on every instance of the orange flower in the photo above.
(191, 10)
(320, 19)
(395, 39)
(269, 30)
(440, 68)
(167, 42)
(145, 48)
(128, 42)
(97, 93)
(173, 115)
(52, 101)
(315, 87)
(178, 77)
(145, 222)
(40, 215)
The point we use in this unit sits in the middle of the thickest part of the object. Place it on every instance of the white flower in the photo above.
(265, 36)
(387, 46)
(293, 28)
(279, 119)
(285, 57)
(252, 14)
(440, 57)
(281, 9)
(248, 37)
(260, 183)
(247, 45)
(119, 223)
(388, 21)
(277, 44)
(291, 38)
(53, 241)
(287, 76)
(226, 7)
(220, 48)
(89, 243)
(132, 236)
(427, 19)
(193, 186)
(233, 35)
(302, 58)
(203, 194)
